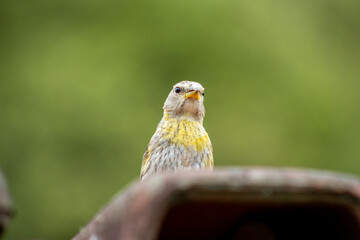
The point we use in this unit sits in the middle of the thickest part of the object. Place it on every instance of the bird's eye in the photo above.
(203, 93)
(177, 89)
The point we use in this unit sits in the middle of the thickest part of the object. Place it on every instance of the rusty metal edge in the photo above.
(130, 210)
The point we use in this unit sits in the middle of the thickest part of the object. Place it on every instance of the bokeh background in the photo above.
(82, 84)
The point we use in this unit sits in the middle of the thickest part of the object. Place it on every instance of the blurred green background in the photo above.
(82, 84)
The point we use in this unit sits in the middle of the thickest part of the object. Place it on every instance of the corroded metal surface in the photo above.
(234, 203)
(5, 204)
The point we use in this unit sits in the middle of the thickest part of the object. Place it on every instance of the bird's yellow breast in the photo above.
(184, 132)
(178, 143)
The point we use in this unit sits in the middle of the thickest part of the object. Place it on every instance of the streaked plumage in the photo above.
(180, 140)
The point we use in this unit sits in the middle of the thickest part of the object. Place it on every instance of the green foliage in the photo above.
(82, 84)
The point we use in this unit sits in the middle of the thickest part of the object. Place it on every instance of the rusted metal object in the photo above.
(5, 204)
(236, 203)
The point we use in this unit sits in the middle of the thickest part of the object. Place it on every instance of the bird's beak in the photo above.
(193, 95)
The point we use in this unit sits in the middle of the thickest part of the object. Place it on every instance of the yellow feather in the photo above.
(186, 133)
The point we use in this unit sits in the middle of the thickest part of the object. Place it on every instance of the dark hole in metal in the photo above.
(265, 221)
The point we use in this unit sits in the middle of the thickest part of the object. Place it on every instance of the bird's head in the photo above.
(186, 100)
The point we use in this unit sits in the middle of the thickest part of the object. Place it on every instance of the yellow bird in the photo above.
(180, 140)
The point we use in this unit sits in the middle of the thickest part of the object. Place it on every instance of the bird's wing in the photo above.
(210, 162)
(211, 159)
(145, 162)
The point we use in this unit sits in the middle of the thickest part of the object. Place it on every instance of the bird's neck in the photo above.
(169, 116)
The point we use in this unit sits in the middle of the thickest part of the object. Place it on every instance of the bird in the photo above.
(180, 141)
